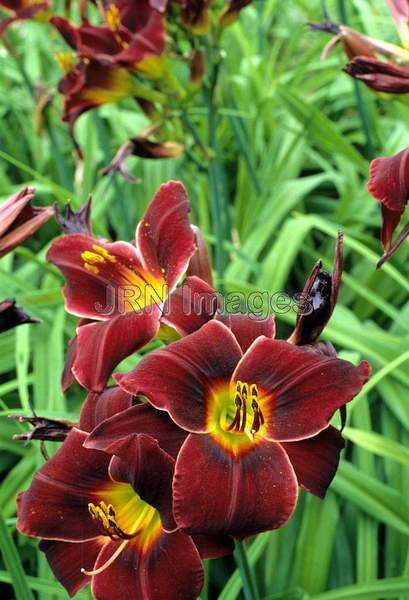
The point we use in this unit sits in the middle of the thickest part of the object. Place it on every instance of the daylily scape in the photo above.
(120, 505)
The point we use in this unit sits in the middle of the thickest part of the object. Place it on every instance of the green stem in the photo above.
(361, 106)
(218, 207)
(246, 574)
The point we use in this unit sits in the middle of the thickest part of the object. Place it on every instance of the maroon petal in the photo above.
(389, 183)
(168, 570)
(394, 247)
(200, 264)
(14, 206)
(315, 460)
(67, 377)
(379, 75)
(178, 378)
(390, 221)
(100, 406)
(213, 546)
(55, 506)
(235, 494)
(104, 344)
(164, 236)
(140, 461)
(149, 41)
(68, 32)
(141, 418)
(97, 273)
(190, 306)
(299, 390)
(248, 328)
(19, 219)
(66, 560)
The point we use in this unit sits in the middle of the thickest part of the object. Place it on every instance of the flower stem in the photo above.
(249, 583)
(361, 106)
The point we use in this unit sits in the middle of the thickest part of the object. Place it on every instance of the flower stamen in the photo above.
(239, 421)
(105, 518)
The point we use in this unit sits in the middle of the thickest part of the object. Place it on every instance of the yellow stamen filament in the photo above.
(112, 17)
(108, 563)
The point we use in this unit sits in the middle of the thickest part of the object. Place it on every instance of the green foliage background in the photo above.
(293, 141)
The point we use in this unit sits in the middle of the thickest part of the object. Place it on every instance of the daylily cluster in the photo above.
(152, 51)
(206, 441)
(381, 65)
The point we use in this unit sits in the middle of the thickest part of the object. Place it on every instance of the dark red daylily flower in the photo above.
(108, 520)
(195, 15)
(318, 299)
(12, 316)
(114, 415)
(21, 10)
(132, 34)
(379, 75)
(19, 219)
(258, 425)
(90, 84)
(389, 183)
(121, 287)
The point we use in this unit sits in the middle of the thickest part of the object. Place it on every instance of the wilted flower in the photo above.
(21, 10)
(121, 287)
(108, 521)
(258, 424)
(318, 299)
(379, 75)
(19, 219)
(142, 146)
(12, 316)
(363, 52)
(389, 183)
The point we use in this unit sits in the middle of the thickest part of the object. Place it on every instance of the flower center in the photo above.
(141, 524)
(105, 518)
(246, 395)
(135, 288)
